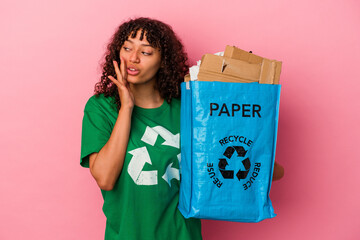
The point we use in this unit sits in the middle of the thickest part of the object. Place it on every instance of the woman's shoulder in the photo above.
(175, 101)
(100, 101)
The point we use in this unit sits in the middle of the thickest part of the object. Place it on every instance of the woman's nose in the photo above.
(134, 57)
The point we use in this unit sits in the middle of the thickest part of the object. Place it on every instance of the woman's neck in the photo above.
(146, 96)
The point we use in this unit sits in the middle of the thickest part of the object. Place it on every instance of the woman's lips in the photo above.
(132, 71)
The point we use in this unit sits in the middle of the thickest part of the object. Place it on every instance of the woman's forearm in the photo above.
(107, 165)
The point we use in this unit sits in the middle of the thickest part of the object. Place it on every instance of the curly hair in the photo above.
(174, 65)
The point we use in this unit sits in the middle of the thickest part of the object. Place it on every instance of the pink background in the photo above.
(50, 53)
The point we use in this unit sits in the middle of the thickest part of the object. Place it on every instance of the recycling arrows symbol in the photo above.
(171, 172)
(229, 174)
(140, 157)
(151, 135)
(137, 162)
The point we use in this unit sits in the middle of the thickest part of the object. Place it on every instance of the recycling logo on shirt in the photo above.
(140, 157)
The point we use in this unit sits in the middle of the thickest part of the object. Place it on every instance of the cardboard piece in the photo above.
(238, 65)
(217, 68)
(271, 69)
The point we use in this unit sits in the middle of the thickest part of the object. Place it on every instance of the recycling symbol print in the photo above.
(234, 153)
(140, 157)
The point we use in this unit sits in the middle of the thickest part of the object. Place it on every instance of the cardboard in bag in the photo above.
(238, 65)
(223, 69)
(270, 69)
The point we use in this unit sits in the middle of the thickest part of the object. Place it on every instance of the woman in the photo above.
(130, 138)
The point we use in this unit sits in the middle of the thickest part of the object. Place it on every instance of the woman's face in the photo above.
(142, 60)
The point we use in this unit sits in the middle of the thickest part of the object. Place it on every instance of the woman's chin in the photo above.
(135, 80)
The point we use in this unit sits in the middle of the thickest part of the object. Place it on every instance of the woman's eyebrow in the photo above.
(146, 45)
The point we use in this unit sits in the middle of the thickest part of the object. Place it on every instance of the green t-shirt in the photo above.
(143, 202)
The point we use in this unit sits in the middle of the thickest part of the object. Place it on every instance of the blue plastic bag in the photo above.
(228, 140)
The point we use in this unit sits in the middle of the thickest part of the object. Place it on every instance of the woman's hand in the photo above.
(278, 172)
(125, 94)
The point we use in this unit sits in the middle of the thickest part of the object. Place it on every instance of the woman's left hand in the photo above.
(278, 172)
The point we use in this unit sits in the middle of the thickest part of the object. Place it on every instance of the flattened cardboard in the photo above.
(271, 69)
(237, 53)
(238, 65)
(217, 68)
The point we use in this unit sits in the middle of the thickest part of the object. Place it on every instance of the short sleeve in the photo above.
(96, 131)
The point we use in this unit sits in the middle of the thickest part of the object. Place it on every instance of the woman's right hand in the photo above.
(125, 94)
(106, 165)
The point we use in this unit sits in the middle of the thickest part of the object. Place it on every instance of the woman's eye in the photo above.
(126, 49)
(146, 53)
